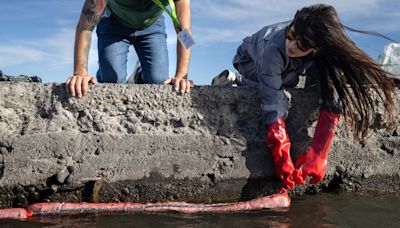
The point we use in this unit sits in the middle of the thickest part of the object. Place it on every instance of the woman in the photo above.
(349, 81)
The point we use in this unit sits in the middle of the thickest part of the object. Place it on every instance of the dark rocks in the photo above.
(53, 188)
(19, 78)
(20, 201)
(125, 191)
(34, 196)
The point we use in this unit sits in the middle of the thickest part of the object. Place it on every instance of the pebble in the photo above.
(193, 125)
(133, 130)
(19, 189)
(3, 150)
(125, 191)
(76, 156)
(98, 151)
(183, 122)
(34, 195)
(133, 119)
(200, 116)
(226, 141)
(54, 188)
(71, 169)
(62, 175)
(366, 175)
(122, 108)
(62, 161)
(31, 189)
(340, 169)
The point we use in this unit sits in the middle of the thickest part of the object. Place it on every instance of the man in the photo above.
(121, 23)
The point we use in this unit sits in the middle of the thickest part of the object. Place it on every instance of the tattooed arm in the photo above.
(91, 14)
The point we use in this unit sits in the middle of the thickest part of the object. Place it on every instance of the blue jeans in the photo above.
(150, 44)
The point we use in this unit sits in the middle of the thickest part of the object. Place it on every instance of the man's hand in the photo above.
(91, 14)
(77, 85)
(180, 84)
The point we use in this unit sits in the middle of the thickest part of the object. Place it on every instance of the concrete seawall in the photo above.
(145, 143)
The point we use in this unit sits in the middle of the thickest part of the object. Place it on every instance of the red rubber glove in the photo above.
(277, 139)
(313, 163)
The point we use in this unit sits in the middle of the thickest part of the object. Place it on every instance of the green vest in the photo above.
(136, 14)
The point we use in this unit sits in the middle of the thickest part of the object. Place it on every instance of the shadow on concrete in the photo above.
(234, 113)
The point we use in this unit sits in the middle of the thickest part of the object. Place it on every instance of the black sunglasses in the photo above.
(292, 36)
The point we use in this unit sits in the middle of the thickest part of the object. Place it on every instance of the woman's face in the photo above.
(294, 47)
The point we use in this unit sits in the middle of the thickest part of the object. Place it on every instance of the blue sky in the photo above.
(37, 36)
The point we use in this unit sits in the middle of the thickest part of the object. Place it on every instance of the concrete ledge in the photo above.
(146, 143)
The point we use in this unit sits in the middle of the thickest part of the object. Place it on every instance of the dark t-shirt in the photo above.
(136, 14)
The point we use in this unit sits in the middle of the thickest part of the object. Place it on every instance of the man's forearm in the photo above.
(183, 54)
(91, 14)
(183, 60)
(81, 52)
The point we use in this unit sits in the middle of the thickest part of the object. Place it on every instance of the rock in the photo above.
(125, 191)
(183, 122)
(62, 161)
(340, 169)
(34, 196)
(19, 78)
(19, 189)
(71, 169)
(62, 175)
(77, 156)
(98, 151)
(3, 150)
(20, 201)
(31, 189)
(54, 188)
(68, 180)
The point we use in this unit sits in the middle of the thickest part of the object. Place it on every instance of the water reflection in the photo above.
(321, 210)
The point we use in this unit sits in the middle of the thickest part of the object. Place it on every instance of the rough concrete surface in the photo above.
(146, 143)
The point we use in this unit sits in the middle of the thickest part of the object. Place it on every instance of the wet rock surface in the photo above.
(146, 143)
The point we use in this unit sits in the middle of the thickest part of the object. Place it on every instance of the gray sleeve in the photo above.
(270, 66)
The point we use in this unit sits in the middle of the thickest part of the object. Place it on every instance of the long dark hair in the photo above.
(361, 84)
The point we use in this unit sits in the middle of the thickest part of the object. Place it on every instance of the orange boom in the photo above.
(281, 200)
(15, 213)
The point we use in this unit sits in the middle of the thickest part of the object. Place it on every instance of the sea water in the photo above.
(318, 210)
